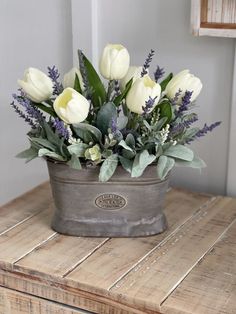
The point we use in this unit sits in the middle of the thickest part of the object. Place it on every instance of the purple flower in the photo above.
(147, 62)
(23, 116)
(175, 99)
(61, 128)
(158, 74)
(148, 105)
(186, 100)
(54, 75)
(205, 130)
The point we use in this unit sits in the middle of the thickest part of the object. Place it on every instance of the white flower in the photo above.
(164, 133)
(71, 106)
(114, 62)
(37, 85)
(140, 92)
(183, 81)
(133, 72)
(69, 78)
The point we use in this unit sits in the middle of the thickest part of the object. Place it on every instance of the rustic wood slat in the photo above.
(24, 207)
(211, 286)
(19, 241)
(117, 256)
(152, 281)
(13, 302)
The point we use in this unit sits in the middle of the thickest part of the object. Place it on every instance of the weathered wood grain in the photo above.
(24, 207)
(13, 302)
(117, 256)
(153, 280)
(210, 288)
(19, 241)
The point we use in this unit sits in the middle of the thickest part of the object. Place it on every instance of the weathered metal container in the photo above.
(121, 207)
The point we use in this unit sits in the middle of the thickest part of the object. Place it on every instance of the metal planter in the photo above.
(121, 207)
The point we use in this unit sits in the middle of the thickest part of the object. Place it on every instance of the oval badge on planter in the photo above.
(110, 201)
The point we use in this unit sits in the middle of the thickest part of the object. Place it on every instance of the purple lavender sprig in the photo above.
(54, 75)
(147, 62)
(61, 128)
(158, 74)
(175, 99)
(23, 116)
(186, 100)
(31, 110)
(148, 105)
(205, 130)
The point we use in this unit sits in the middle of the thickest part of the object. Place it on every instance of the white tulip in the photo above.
(114, 62)
(183, 81)
(71, 106)
(133, 72)
(69, 78)
(140, 92)
(37, 85)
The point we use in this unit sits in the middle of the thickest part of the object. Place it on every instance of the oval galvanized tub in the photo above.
(121, 207)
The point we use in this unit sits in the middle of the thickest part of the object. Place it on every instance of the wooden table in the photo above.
(190, 268)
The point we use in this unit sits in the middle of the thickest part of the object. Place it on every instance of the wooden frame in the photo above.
(213, 18)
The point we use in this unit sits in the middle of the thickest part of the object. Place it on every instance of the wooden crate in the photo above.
(213, 18)
(190, 268)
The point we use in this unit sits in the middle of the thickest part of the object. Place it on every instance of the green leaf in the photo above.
(122, 122)
(159, 125)
(164, 165)
(166, 81)
(77, 86)
(88, 133)
(51, 136)
(128, 154)
(179, 151)
(99, 92)
(195, 163)
(130, 140)
(46, 152)
(28, 154)
(44, 108)
(105, 116)
(166, 111)
(108, 168)
(141, 161)
(126, 163)
(77, 149)
(119, 98)
(74, 162)
(43, 142)
(125, 146)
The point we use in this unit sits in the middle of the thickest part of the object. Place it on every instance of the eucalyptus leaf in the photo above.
(74, 162)
(46, 152)
(141, 161)
(119, 98)
(125, 146)
(166, 81)
(122, 122)
(130, 140)
(164, 165)
(87, 132)
(108, 168)
(197, 163)
(180, 151)
(126, 164)
(105, 115)
(77, 149)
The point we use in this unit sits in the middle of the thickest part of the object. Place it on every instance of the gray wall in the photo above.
(38, 33)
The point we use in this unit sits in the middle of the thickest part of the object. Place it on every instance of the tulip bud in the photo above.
(183, 81)
(37, 85)
(69, 78)
(133, 73)
(71, 106)
(93, 153)
(140, 92)
(114, 62)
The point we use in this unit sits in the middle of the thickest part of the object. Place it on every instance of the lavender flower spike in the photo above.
(158, 74)
(148, 105)
(147, 62)
(186, 100)
(54, 75)
(23, 116)
(61, 128)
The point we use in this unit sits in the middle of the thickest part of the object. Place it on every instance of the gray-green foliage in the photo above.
(108, 168)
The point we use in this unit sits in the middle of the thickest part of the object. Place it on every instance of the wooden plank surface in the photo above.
(211, 286)
(154, 279)
(13, 302)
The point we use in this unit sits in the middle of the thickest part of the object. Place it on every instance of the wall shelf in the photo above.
(213, 18)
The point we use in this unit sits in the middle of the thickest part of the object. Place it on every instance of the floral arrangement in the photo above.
(134, 121)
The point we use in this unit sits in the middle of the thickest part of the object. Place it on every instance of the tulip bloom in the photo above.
(140, 92)
(69, 78)
(37, 85)
(183, 81)
(114, 62)
(133, 73)
(71, 106)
